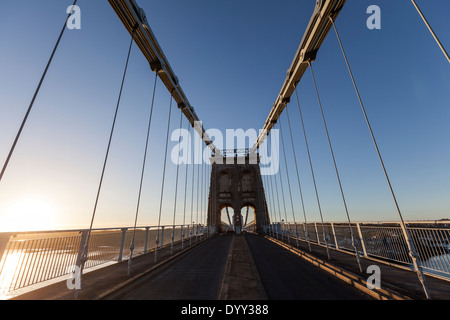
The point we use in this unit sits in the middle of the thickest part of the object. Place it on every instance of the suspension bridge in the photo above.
(240, 237)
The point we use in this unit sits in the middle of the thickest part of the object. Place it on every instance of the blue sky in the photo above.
(231, 58)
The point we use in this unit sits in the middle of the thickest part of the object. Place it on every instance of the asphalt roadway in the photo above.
(197, 276)
(203, 273)
(285, 276)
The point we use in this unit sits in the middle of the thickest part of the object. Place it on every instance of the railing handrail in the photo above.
(95, 229)
(376, 240)
(436, 222)
(47, 255)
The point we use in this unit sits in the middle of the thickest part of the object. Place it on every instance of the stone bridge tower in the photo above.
(237, 184)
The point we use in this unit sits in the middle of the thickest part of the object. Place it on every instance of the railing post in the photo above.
(84, 235)
(173, 240)
(317, 233)
(162, 237)
(414, 256)
(122, 243)
(307, 236)
(190, 235)
(182, 237)
(146, 239)
(288, 232)
(361, 238)
(334, 235)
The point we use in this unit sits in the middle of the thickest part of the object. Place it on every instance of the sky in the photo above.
(231, 58)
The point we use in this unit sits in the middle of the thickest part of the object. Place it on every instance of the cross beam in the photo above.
(315, 34)
(135, 21)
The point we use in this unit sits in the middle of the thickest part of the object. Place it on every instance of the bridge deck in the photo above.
(237, 267)
(285, 276)
(197, 276)
(234, 267)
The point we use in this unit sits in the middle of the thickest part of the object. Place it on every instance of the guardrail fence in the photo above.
(382, 240)
(28, 258)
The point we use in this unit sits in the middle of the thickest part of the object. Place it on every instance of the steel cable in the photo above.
(185, 187)
(84, 256)
(19, 133)
(312, 174)
(163, 179)
(142, 175)
(410, 244)
(298, 180)
(176, 186)
(336, 169)
(289, 184)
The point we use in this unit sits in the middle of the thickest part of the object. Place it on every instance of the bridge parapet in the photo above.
(382, 241)
(32, 258)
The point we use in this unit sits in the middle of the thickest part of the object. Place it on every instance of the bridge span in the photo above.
(243, 267)
(236, 267)
(281, 259)
(224, 267)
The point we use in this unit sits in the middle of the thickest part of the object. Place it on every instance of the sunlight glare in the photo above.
(30, 213)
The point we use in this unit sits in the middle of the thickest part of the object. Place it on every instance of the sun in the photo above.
(30, 213)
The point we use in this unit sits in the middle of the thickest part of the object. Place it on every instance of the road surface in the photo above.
(284, 276)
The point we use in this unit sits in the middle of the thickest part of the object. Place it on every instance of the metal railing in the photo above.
(381, 240)
(28, 258)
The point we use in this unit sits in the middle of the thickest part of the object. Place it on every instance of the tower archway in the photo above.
(237, 185)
